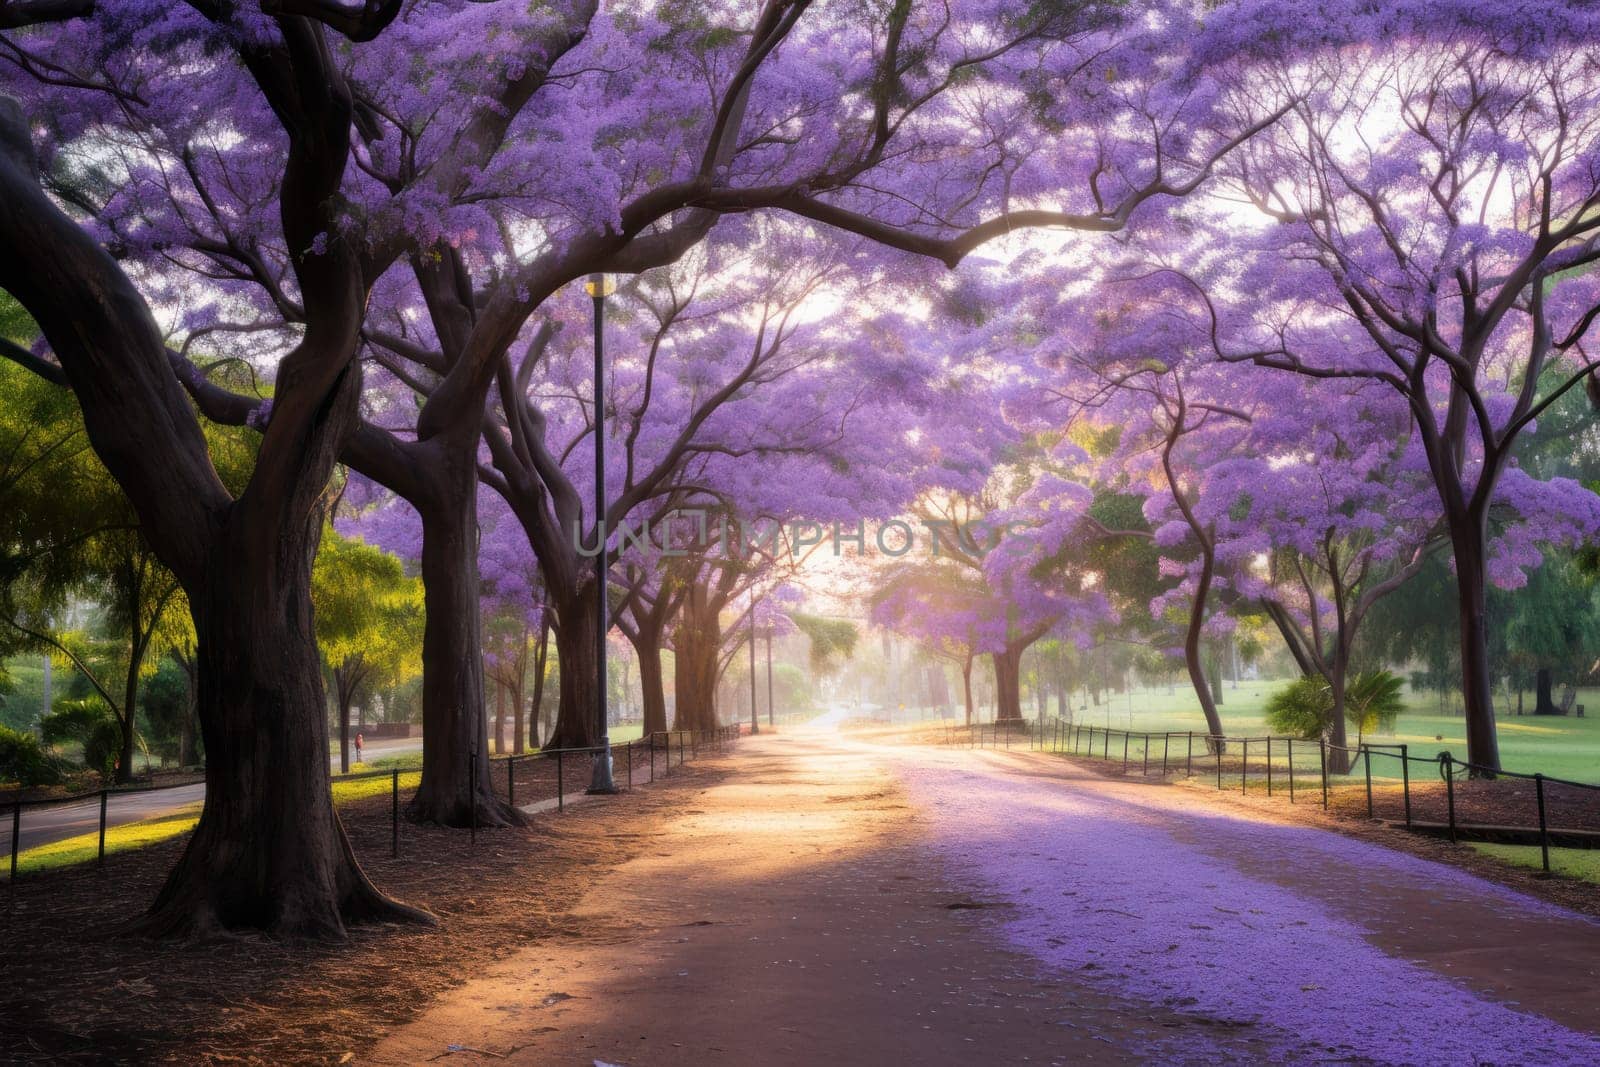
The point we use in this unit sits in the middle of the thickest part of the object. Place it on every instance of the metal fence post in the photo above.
(1405, 782)
(394, 814)
(1218, 748)
(1244, 767)
(1107, 754)
(1322, 751)
(1269, 765)
(1447, 764)
(1166, 746)
(100, 857)
(1366, 754)
(1544, 830)
(1126, 737)
(1188, 760)
(680, 750)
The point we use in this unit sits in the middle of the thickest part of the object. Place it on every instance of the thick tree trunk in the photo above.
(576, 718)
(455, 751)
(698, 647)
(269, 852)
(1468, 538)
(1007, 684)
(652, 686)
(1543, 701)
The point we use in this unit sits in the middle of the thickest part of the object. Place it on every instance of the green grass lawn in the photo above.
(405, 761)
(85, 847)
(360, 788)
(1560, 747)
(1581, 863)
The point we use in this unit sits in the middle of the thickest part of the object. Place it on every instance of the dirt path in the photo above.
(835, 900)
(794, 914)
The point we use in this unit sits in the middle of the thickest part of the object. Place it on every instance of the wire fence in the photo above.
(529, 779)
(1436, 794)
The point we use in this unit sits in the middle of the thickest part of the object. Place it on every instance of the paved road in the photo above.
(43, 825)
(839, 901)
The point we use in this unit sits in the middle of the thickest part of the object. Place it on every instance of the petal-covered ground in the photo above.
(1301, 934)
(819, 897)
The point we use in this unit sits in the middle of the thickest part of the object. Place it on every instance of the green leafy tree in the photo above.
(166, 705)
(832, 640)
(1552, 627)
(68, 536)
(369, 622)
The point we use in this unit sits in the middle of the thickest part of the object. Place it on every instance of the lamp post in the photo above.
(599, 287)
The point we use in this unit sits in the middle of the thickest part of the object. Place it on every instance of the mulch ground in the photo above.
(77, 990)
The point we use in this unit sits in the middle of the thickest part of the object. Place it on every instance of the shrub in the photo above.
(90, 723)
(23, 759)
(1372, 701)
(1301, 709)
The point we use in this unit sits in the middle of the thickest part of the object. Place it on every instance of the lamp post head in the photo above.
(600, 285)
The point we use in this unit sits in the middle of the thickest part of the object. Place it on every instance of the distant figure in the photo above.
(358, 748)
